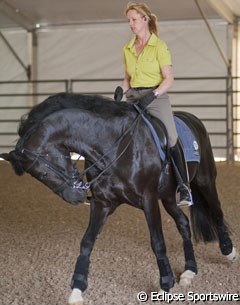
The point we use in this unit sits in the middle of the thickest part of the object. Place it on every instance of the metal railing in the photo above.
(25, 94)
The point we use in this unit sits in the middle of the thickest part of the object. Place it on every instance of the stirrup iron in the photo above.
(184, 202)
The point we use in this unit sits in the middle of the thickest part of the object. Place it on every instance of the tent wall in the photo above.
(95, 51)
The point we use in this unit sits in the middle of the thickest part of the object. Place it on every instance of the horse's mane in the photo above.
(100, 105)
(94, 103)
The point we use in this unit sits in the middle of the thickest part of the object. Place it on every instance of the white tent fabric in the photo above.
(95, 51)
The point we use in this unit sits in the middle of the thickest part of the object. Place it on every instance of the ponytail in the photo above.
(152, 23)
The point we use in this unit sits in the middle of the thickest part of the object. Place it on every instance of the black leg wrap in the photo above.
(225, 242)
(191, 265)
(79, 281)
(167, 282)
(226, 247)
(166, 276)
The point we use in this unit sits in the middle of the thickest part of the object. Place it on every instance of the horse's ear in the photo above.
(15, 160)
(5, 157)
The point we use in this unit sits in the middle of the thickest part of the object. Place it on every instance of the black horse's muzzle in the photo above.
(75, 193)
(72, 189)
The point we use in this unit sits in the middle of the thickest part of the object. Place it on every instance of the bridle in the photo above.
(75, 178)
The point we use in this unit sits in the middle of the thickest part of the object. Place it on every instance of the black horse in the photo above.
(122, 165)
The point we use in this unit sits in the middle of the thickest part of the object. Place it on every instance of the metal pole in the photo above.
(15, 54)
(33, 64)
(229, 100)
(16, 15)
(68, 85)
(229, 90)
(224, 57)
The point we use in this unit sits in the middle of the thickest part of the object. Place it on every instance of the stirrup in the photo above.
(185, 202)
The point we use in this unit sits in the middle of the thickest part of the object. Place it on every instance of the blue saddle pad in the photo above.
(189, 142)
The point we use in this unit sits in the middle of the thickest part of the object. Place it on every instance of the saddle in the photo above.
(187, 140)
(185, 133)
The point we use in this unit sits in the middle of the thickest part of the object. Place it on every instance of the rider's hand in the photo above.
(146, 100)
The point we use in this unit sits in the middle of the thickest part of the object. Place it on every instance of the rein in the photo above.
(75, 179)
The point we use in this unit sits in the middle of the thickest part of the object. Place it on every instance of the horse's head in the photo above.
(52, 128)
(54, 170)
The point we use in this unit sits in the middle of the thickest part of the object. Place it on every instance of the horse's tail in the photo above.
(203, 219)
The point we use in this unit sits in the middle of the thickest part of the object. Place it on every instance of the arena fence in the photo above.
(217, 107)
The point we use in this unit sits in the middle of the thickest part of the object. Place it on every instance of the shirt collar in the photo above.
(152, 41)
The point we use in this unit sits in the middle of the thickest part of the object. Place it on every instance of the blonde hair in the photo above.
(144, 11)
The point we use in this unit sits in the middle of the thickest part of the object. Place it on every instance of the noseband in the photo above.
(74, 180)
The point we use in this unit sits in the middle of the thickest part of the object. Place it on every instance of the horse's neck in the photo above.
(87, 134)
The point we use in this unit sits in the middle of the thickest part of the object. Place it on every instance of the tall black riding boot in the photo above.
(181, 174)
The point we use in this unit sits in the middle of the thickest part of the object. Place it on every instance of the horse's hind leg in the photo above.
(206, 213)
(182, 223)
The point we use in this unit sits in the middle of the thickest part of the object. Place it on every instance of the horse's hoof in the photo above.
(76, 303)
(186, 278)
(162, 293)
(75, 297)
(233, 256)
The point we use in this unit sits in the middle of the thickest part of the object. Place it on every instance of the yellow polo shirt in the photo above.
(145, 69)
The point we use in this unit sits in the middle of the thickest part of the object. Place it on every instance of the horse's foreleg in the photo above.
(98, 217)
(153, 217)
(183, 227)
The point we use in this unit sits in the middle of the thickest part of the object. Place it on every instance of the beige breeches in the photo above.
(160, 108)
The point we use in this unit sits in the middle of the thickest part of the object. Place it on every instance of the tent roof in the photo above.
(28, 13)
